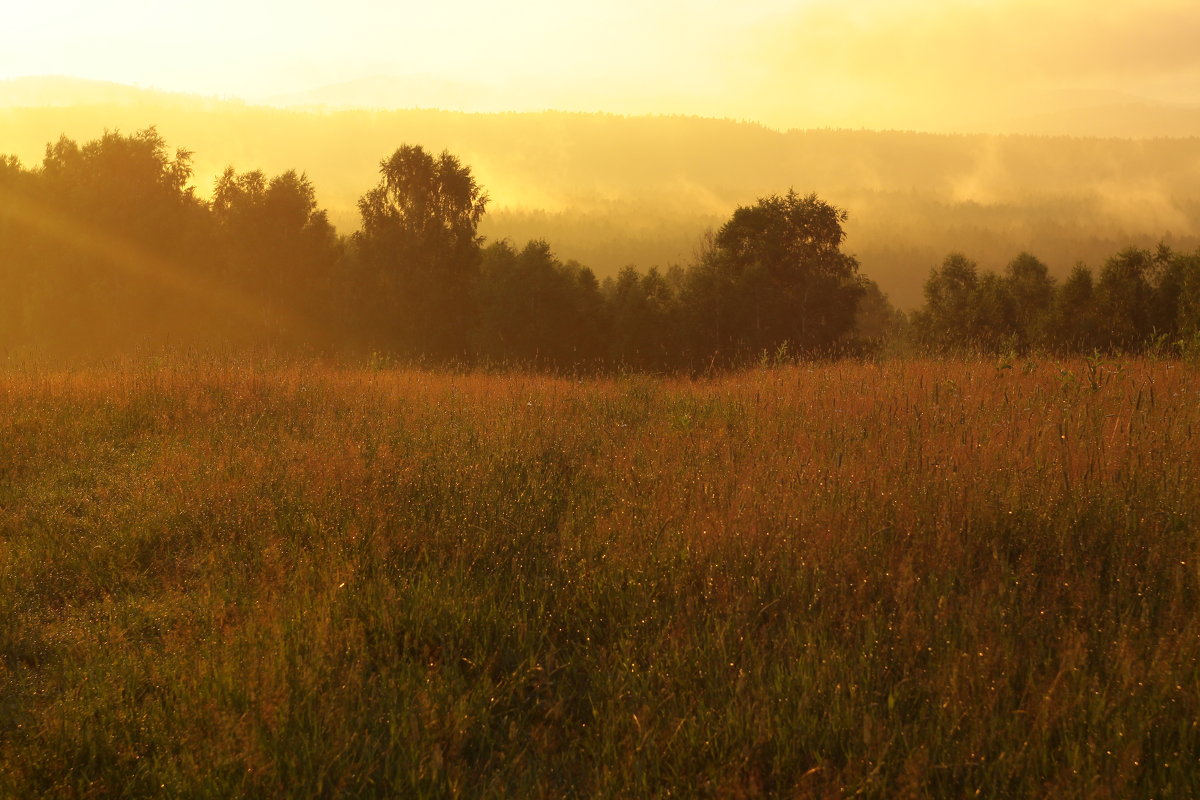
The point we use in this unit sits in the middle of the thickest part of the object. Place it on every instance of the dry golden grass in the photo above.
(901, 579)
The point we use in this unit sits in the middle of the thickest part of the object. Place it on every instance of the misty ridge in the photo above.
(611, 191)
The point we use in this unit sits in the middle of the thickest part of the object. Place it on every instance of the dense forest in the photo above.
(611, 191)
(106, 248)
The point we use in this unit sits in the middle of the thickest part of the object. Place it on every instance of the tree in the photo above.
(17, 187)
(121, 237)
(995, 327)
(948, 318)
(419, 244)
(1029, 283)
(643, 309)
(1188, 308)
(1125, 299)
(877, 320)
(1074, 326)
(279, 248)
(535, 310)
(1172, 313)
(775, 275)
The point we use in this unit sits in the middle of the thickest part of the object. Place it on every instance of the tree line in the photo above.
(105, 248)
(1142, 300)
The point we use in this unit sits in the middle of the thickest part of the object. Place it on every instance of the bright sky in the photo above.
(869, 63)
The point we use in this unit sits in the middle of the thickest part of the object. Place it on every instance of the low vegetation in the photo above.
(878, 579)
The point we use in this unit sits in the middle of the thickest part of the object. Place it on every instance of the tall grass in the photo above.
(902, 579)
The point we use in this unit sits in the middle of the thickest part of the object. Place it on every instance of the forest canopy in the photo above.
(610, 191)
(107, 247)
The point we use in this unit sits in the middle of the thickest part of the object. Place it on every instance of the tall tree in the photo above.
(1028, 281)
(776, 274)
(1074, 325)
(122, 231)
(280, 249)
(995, 323)
(643, 314)
(420, 246)
(1125, 299)
(948, 319)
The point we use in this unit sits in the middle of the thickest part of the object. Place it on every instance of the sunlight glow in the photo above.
(124, 259)
(932, 64)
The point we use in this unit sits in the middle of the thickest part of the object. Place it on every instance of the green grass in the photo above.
(907, 579)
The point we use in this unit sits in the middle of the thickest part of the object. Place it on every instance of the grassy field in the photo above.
(906, 579)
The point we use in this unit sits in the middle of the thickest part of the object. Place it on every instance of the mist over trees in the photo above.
(610, 191)
(106, 249)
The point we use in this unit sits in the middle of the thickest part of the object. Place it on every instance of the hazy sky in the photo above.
(870, 63)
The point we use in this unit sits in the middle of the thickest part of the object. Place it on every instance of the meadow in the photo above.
(879, 579)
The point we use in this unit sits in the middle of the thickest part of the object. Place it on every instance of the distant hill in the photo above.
(611, 190)
(390, 92)
(1086, 113)
(60, 91)
(1139, 120)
